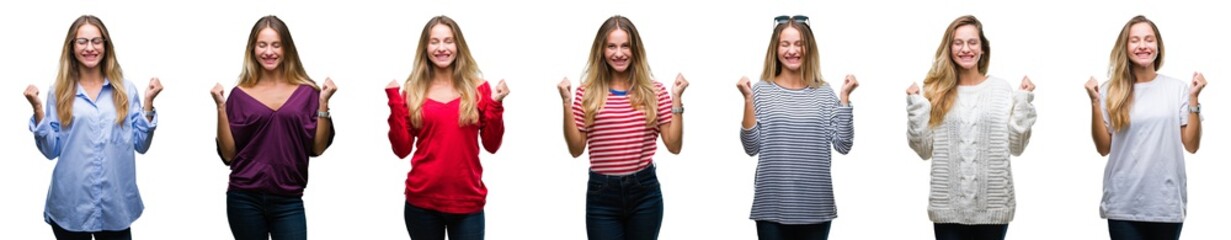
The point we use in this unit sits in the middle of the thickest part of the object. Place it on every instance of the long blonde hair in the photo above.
(466, 75)
(941, 81)
(292, 68)
(811, 69)
(1120, 84)
(598, 75)
(70, 73)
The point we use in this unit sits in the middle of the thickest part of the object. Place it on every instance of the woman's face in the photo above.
(967, 47)
(268, 49)
(89, 46)
(791, 49)
(618, 50)
(441, 46)
(1142, 45)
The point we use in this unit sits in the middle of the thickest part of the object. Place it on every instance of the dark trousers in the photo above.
(62, 234)
(954, 231)
(1133, 230)
(777, 231)
(425, 224)
(259, 216)
(624, 207)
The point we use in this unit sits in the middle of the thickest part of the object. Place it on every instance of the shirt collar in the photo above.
(81, 90)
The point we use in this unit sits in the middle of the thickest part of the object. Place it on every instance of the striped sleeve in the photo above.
(751, 137)
(844, 136)
(579, 112)
(792, 138)
(664, 104)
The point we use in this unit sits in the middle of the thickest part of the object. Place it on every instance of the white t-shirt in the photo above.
(1144, 179)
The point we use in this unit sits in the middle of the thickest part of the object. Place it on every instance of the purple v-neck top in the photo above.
(272, 146)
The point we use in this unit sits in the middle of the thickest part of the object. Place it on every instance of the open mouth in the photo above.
(269, 60)
(1143, 54)
(90, 56)
(793, 59)
(619, 62)
(442, 56)
(966, 57)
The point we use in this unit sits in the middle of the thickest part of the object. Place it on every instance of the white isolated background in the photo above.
(537, 191)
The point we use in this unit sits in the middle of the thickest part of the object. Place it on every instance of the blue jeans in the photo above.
(62, 234)
(954, 231)
(776, 231)
(255, 215)
(624, 207)
(1132, 230)
(432, 225)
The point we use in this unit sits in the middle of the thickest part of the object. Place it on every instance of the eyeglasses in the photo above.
(94, 41)
(798, 19)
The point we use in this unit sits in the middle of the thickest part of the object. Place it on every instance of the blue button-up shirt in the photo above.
(94, 185)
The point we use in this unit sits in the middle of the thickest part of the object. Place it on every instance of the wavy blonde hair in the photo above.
(466, 75)
(70, 73)
(1120, 83)
(291, 67)
(811, 69)
(941, 81)
(598, 75)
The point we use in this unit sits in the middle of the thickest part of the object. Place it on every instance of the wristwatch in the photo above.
(1196, 109)
(322, 114)
(679, 110)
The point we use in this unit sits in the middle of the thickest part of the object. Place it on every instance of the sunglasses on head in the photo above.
(798, 19)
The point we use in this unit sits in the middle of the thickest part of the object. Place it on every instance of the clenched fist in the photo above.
(500, 91)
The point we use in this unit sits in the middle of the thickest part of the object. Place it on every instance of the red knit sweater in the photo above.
(445, 172)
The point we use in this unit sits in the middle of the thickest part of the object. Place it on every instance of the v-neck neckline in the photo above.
(459, 97)
(266, 105)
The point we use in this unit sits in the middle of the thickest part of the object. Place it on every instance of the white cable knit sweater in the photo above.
(972, 182)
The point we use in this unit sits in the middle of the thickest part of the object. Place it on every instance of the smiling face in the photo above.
(89, 46)
(268, 49)
(441, 46)
(966, 48)
(1142, 45)
(618, 50)
(791, 49)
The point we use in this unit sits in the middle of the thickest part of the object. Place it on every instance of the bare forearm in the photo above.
(324, 126)
(38, 114)
(1098, 131)
(572, 136)
(750, 118)
(1192, 132)
(673, 137)
(148, 106)
(226, 142)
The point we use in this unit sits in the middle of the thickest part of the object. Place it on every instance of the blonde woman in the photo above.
(445, 111)
(619, 111)
(1145, 121)
(791, 119)
(268, 127)
(93, 123)
(969, 124)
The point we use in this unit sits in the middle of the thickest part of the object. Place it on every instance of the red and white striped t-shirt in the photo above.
(619, 141)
